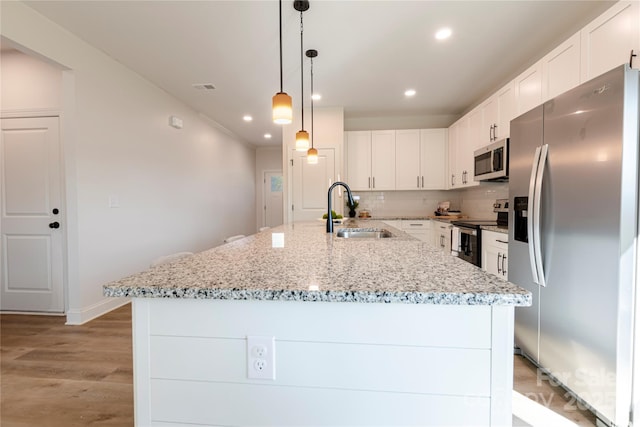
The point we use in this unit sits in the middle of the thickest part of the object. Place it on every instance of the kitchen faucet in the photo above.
(329, 218)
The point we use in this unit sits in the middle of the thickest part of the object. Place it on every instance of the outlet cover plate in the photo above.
(261, 358)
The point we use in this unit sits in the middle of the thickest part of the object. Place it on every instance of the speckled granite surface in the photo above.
(314, 266)
(496, 229)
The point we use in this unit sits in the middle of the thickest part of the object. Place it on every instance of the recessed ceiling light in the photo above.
(247, 118)
(409, 92)
(443, 33)
(316, 97)
(267, 136)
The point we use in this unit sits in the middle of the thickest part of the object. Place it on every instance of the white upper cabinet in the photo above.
(408, 169)
(506, 101)
(433, 159)
(371, 160)
(561, 68)
(453, 180)
(528, 86)
(608, 40)
(358, 153)
(497, 112)
(421, 159)
(383, 160)
(461, 150)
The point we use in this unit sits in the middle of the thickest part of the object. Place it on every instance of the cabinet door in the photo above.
(453, 181)
(383, 160)
(478, 135)
(528, 87)
(408, 159)
(359, 160)
(506, 100)
(489, 120)
(492, 260)
(561, 68)
(433, 159)
(465, 151)
(608, 40)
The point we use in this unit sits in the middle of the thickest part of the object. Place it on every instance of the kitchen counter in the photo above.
(256, 332)
(314, 266)
(494, 228)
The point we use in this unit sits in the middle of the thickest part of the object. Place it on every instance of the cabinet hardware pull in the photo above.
(491, 133)
(499, 262)
(452, 178)
(631, 56)
(504, 259)
(418, 181)
(369, 182)
(423, 182)
(495, 132)
(374, 182)
(417, 225)
(501, 241)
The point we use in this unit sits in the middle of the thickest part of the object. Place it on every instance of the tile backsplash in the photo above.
(475, 202)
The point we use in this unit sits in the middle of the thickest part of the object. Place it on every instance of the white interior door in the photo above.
(31, 274)
(311, 183)
(273, 199)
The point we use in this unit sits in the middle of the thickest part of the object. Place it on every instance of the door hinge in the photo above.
(291, 162)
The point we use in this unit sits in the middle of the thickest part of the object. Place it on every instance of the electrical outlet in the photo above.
(261, 358)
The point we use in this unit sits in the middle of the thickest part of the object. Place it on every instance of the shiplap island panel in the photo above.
(367, 332)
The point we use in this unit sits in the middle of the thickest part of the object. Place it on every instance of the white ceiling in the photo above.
(369, 51)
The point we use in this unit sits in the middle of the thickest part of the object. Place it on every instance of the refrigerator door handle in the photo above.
(532, 218)
(537, 245)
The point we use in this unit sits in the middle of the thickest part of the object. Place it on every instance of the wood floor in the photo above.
(52, 375)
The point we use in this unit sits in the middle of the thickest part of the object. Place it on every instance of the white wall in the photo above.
(267, 159)
(178, 189)
(28, 83)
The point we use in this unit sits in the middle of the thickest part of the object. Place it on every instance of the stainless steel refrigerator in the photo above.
(573, 229)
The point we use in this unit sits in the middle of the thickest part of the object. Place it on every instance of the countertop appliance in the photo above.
(491, 163)
(573, 229)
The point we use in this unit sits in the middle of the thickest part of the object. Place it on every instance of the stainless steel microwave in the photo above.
(491, 163)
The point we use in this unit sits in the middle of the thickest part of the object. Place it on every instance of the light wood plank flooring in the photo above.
(52, 375)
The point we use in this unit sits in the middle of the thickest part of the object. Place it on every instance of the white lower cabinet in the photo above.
(442, 236)
(495, 251)
(420, 229)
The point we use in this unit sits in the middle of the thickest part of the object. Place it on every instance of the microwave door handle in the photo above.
(537, 214)
(530, 222)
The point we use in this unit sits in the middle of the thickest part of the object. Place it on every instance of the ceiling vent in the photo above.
(204, 86)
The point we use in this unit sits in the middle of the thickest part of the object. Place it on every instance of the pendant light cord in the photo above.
(301, 73)
(280, 20)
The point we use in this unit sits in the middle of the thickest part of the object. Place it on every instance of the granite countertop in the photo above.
(316, 266)
(494, 228)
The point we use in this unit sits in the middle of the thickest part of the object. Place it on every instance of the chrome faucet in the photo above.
(329, 218)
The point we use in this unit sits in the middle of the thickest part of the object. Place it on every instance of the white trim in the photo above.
(29, 113)
(82, 316)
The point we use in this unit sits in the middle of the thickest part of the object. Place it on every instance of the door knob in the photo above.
(54, 224)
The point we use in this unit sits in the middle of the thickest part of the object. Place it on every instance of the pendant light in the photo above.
(302, 136)
(312, 154)
(282, 109)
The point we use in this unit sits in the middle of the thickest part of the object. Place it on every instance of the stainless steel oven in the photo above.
(470, 239)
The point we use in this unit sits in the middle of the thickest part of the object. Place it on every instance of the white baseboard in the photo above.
(81, 316)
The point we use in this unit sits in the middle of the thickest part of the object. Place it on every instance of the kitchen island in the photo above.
(362, 331)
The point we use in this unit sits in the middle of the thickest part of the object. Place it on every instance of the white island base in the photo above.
(339, 364)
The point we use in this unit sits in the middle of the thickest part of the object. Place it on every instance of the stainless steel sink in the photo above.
(364, 233)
